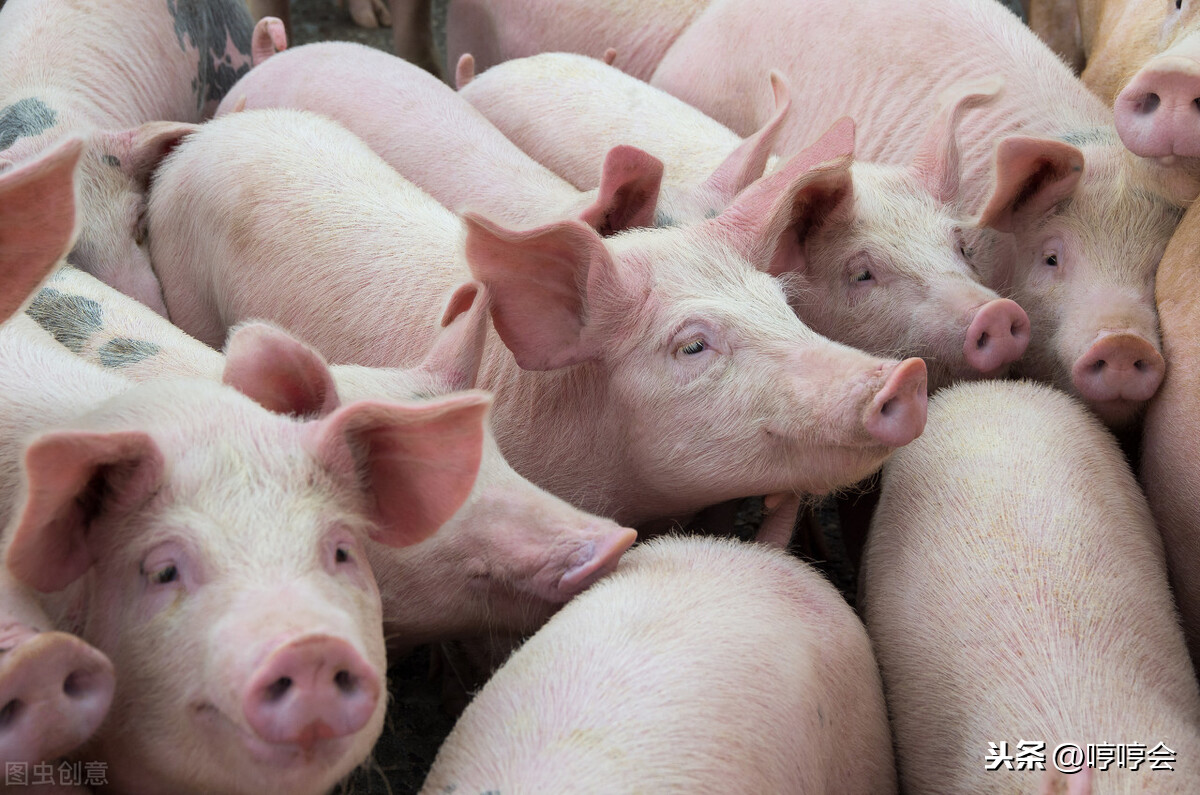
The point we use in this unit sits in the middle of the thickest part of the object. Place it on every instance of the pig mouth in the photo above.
(323, 754)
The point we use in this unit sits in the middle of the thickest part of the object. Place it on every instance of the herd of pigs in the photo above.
(309, 358)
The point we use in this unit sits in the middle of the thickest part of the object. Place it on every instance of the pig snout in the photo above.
(896, 415)
(1118, 371)
(55, 691)
(997, 336)
(594, 560)
(311, 689)
(1158, 113)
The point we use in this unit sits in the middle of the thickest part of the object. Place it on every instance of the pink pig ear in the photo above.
(628, 193)
(279, 372)
(938, 162)
(540, 282)
(1032, 175)
(37, 221)
(269, 37)
(74, 478)
(416, 461)
(769, 221)
(748, 162)
(138, 151)
(458, 350)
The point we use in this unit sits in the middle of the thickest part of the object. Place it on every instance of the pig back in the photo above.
(1015, 590)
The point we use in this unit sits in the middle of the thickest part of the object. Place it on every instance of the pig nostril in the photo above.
(75, 685)
(10, 712)
(1099, 365)
(278, 689)
(1141, 366)
(1149, 103)
(982, 341)
(346, 682)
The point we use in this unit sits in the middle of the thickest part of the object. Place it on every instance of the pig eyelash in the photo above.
(863, 275)
(163, 575)
(693, 347)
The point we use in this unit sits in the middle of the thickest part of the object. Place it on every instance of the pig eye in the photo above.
(1178, 4)
(341, 555)
(1052, 260)
(163, 575)
(693, 347)
(863, 275)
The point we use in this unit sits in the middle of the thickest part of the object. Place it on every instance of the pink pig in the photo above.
(882, 261)
(506, 559)
(642, 377)
(1084, 223)
(701, 665)
(434, 138)
(214, 552)
(1025, 609)
(112, 71)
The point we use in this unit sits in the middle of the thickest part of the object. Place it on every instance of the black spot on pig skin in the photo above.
(72, 319)
(112, 160)
(23, 119)
(122, 351)
(208, 26)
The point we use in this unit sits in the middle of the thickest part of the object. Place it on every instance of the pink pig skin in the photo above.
(498, 30)
(128, 524)
(435, 138)
(1082, 269)
(701, 665)
(423, 129)
(506, 560)
(1034, 608)
(113, 71)
(609, 412)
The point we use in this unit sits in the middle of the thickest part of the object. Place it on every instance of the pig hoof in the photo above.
(54, 692)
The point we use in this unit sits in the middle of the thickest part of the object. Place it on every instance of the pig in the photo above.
(640, 377)
(639, 31)
(502, 564)
(883, 264)
(130, 76)
(702, 664)
(1169, 449)
(1075, 246)
(1015, 591)
(434, 138)
(212, 550)
(37, 221)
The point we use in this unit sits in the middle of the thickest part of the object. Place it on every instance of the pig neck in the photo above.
(578, 449)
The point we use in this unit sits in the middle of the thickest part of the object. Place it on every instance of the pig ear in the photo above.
(1032, 175)
(269, 37)
(74, 478)
(279, 372)
(458, 350)
(628, 191)
(938, 160)
(464, 71)
(37, 221)
(748, 162)
(540, 282)
(417, 462)
(769, 221)
(139, 151)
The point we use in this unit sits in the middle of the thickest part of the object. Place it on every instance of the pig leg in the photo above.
(779, 522)
(412, 33)
(54, 692)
